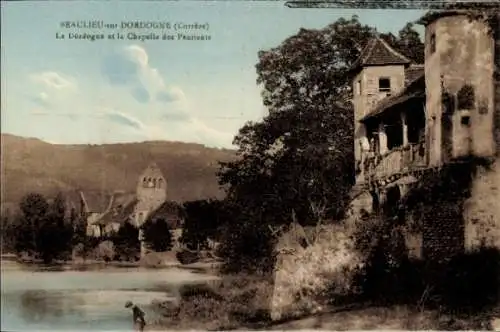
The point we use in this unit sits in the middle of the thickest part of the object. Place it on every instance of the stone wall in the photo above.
(482, 209)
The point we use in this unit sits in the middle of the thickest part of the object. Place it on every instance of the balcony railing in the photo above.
(398, 160)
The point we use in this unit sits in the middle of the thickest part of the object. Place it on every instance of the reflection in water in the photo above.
(40, 305)
(91, 300)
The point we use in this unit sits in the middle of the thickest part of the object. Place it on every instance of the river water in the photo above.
(93, 300)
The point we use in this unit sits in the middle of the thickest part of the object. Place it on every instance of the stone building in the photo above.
(427, 137)
(105, 214)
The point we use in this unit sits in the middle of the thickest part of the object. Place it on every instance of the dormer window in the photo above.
(384, 84)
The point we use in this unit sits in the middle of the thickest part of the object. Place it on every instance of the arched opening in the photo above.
(160, 183)
(144, 182)
(154, 183)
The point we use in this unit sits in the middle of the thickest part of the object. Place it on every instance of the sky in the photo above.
(78, 91)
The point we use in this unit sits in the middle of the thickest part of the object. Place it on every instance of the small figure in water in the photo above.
(138, 316)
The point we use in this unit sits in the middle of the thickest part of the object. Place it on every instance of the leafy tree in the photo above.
(126, 241)
(7, 229)
(52, 233)
(34, 208)
(157, 235)
(202, 222)
(410, 43)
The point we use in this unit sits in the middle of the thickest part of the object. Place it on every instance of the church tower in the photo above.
(151, 193)
(378, 73)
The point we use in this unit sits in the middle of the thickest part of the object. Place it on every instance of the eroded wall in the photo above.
(482, 209)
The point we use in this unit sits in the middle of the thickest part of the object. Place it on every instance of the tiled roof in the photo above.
(170, 211)
(413, 72)
(414, 89)
(378, 52)
(95, 200)
(118, 213)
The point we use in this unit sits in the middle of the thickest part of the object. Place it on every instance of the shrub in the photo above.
(469, 281)
(79, 250)
(229, 303)
(187, 256)
(105, 251)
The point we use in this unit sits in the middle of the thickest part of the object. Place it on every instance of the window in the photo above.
(433, 43)
(160, 183)
(384, 84)
(465, 98)
(465, 120)
(358, 87)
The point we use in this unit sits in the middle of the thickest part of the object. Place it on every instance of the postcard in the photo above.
(250, 165)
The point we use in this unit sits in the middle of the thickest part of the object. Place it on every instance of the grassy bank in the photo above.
(240, 302)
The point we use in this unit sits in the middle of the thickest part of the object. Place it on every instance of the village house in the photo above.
(104, 214)
(427, 136)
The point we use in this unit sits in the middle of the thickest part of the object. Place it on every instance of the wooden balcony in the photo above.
(397, 161)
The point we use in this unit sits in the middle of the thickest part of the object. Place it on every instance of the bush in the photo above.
(79, 251)
(127, 243)
(229, 303)
(158, 235)
(105, 251)
(247, 248)
(470, 281)
(187, 256)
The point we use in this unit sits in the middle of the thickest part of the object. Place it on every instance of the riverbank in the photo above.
(239, 302)
(159, 261)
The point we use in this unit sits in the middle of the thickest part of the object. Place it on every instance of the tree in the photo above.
(410, 44)
(34, 208)
(55, 234)
(157, 235)
(127, 242)
(202, 222)
(7, 229)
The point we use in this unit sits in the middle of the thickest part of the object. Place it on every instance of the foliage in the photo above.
(127, 242)
(41, 229)
(55, 235)
(203, 221)
(34, 208)
(7, 233)
(232, 303)
(247, 247)
(157, 235)
(79, 251)
(105, 251)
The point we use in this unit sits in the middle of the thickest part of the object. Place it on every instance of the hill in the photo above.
(32, 165)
